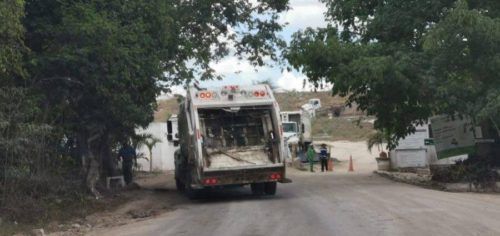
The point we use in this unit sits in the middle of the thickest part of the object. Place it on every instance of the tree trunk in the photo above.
(106, 156)
(91, 161)
(150, 160)
(93, 174)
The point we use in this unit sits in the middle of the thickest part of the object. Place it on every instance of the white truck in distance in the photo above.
(230, 136)
(291, 121)
(297, 127)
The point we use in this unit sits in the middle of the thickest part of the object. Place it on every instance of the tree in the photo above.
(100, 64)
(11, 41)
(465, 52)
(395, 58)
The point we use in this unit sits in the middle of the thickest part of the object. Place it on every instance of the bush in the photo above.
(34, 169)
(479, 171)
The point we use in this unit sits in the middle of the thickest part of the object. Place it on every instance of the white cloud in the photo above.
(231, 65)
(304, 14)
(295, 81)
(291, 81)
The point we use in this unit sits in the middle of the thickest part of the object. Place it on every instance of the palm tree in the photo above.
(149, 141)
(375, 139)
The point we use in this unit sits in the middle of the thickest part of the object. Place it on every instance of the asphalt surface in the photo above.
(339, 203)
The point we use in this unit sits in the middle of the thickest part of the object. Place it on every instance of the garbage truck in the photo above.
(230, 136)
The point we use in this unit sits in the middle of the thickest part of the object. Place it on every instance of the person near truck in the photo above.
(323, 157)
(310, 157)
(127, 155)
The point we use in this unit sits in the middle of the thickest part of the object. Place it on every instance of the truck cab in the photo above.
(230, 136)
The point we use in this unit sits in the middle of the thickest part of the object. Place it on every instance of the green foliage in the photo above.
(381, 80)
(476, 170)
(101, 64)
(105, 62)
(79, 76)
(32, 164)
(465, 52)
(376, 139)
(11, 40)
(403, 61)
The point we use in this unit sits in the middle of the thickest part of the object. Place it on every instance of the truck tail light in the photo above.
(259, 93)
(207, 95)
(275, 176)
(210, 181)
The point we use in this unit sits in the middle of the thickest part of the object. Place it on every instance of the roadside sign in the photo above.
(452, 137)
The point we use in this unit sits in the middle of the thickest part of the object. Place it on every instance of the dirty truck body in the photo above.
(230, 136)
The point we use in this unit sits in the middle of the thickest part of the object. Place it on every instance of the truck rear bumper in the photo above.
(241, 168)
(244, 176)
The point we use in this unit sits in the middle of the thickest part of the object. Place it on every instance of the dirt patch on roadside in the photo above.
(154, 195)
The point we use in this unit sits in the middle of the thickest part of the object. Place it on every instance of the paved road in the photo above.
(328, 204)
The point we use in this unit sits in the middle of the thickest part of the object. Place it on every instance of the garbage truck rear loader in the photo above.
(230, 136)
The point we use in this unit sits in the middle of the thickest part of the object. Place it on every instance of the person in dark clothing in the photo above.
(127, 155)
(323, 157)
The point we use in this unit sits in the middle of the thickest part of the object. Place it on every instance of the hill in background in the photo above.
(292, 101)
(166, 107)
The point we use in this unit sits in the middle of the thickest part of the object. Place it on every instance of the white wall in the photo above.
(411, 151)
(163, 153)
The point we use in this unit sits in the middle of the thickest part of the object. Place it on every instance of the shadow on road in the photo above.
(226, 194)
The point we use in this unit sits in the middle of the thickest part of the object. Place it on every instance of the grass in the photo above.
(455, 152)
(339, 128)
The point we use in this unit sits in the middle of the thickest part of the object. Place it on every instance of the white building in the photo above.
(163, 153)
(442, 141)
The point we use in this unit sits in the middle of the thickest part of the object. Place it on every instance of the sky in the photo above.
(303, 14)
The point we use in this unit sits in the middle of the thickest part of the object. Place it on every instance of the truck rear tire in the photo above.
(193, 194)
(257, 188)
(179, 185)
(270, 188)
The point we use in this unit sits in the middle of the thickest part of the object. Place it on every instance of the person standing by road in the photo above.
(323, 157)
(127, 155)
(310, 156)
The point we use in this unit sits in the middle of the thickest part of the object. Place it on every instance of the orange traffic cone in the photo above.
(351, 167)
(330, 164)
